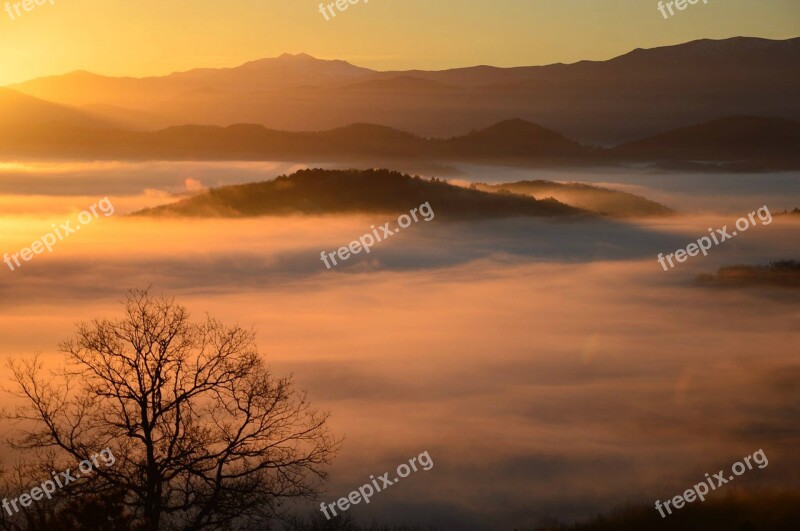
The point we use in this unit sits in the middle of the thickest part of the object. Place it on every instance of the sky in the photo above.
(150, 37)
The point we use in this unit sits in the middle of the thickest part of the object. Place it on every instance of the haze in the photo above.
(523, 355)
(155, 38)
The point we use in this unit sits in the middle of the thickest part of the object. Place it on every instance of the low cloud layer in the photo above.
(550, 368)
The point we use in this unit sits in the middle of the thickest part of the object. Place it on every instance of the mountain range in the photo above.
(633, 96)
(740, 143)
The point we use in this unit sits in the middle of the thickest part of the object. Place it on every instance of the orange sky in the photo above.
(147, 37)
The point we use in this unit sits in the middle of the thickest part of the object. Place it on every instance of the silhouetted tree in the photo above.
(203, 434)
(98, 512)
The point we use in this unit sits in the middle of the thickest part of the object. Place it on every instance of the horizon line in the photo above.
(304, 54)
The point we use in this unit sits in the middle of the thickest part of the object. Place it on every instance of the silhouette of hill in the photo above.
(727, 144)
(735, 140)
(356, 141)
(741, 511)
(84, 88)
(752, 144)
(781, 273)
(319, 191)
(20, 111)
(513, 141)
(288, 70)
(370, 140)
(606, 102)
(586, 197)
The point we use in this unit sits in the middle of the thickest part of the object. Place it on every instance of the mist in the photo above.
(549, 368)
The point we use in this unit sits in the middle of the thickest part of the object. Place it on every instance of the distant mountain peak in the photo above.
(303, 62)
(517, 127)
(514, 124)
(300, 56)
(707, 48)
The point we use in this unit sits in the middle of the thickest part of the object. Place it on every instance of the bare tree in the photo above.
(203, 434)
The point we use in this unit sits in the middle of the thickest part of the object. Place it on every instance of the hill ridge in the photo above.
(605, 102)
(318, 192)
